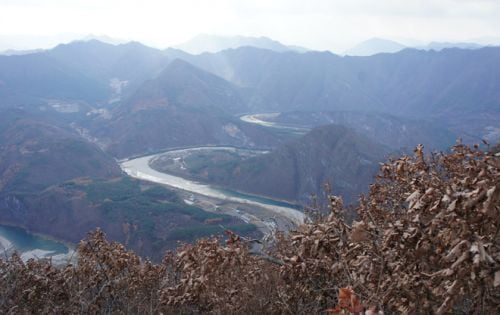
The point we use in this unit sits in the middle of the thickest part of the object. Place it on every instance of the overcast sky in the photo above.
(317, 24)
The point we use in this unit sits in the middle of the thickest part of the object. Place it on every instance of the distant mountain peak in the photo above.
(104, 39)
(91, 42)
(374, 46)
(181, 70)
(181, 64)
(80, 43)
(214, 43)
(181, 84)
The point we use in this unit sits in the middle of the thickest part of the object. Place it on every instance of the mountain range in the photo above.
(67, 114)
(375, 46)
(212, 43)
(457, 87)
(396, 133)
(189, 105)
(126, 97)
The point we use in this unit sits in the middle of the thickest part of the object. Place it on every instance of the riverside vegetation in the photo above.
(425, 240)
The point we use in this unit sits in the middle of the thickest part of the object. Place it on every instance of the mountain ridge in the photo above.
(212, 43)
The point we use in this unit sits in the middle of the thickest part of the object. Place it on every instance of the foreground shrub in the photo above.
(106, 278)
(426, 241)
(223, 279)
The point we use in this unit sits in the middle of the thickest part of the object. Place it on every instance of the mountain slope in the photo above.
(55, 183)
(450, 86)
(132, 62)
(410, 82)
(35, 154)
(294, 171)
(34, 78)
(331, 153)
(182, 106)
(458, 87)
(393, 132)
(184, 85)
(88, 71)
(149, 219)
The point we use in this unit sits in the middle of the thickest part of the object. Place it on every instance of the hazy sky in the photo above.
(317, 24)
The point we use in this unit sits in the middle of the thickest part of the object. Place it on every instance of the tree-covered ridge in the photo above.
(151, 219)
(425, 241)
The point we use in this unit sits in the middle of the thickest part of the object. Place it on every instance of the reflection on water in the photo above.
(259, 199)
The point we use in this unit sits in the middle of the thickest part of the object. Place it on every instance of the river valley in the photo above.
(265, 213)
(140, 168)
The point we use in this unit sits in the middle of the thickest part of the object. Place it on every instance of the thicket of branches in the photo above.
(426, 241)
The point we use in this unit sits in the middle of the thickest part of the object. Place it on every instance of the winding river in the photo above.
(33, 246)
(140, 168)
(262, 120)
